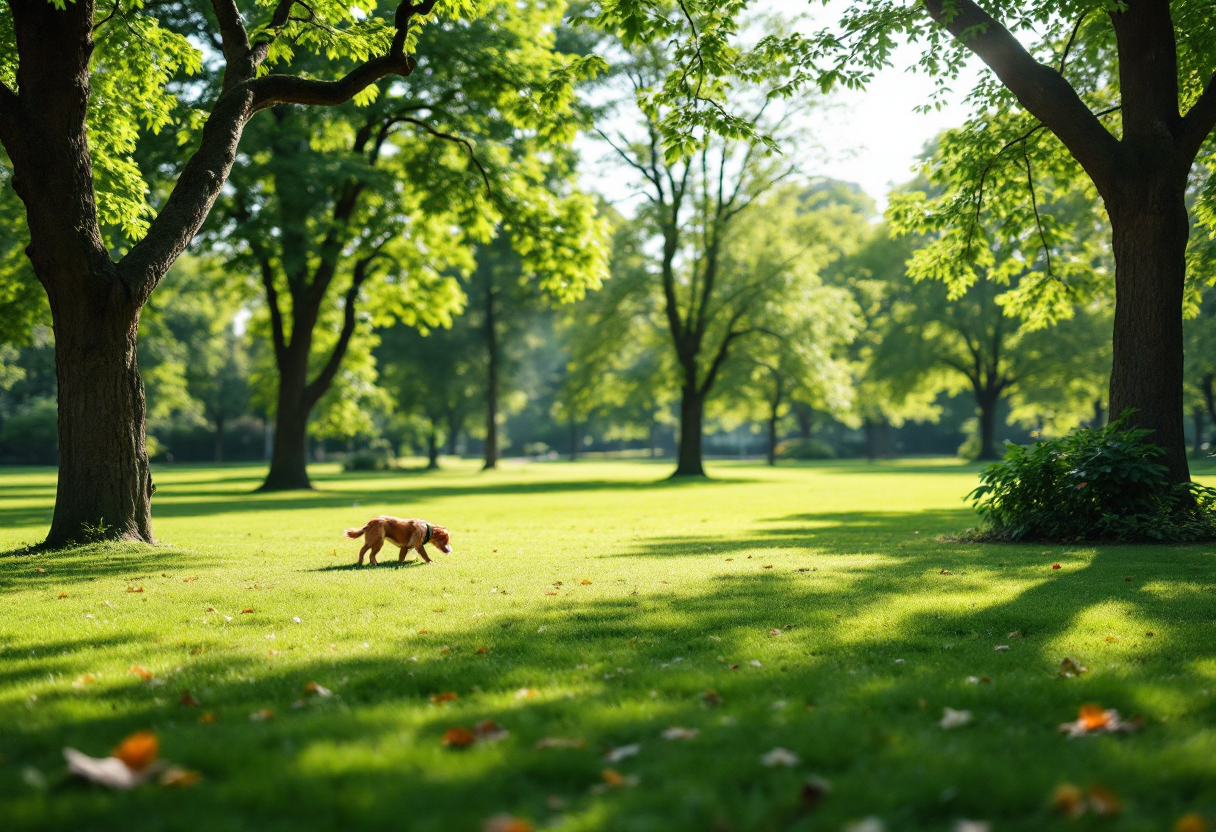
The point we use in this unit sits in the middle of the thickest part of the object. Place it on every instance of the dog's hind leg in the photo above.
(376, 550)
(363, 551)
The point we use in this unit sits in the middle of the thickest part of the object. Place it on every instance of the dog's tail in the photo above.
(356, 533)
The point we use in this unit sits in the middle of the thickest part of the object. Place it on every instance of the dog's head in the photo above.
(441, 539)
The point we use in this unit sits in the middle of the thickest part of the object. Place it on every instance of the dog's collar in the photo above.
(428, 533)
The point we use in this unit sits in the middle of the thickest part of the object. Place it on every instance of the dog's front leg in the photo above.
(422, 551)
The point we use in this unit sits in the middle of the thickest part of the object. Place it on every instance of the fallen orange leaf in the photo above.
(1093, 717)
(138, 751)
(613, 777)
(63, 595)
(1192, 822)
(135, 589)
(207, 718)
(246, 610)
(318, 690)
(1104, 802)
(551, 592)
(1055, 566)
(141, 672)
(40, 570)
(585, 582)
(262, 715)
(1068, 800)
(1071, 667)
(447, 696)
(182, 778)
(457, 737)
(482, 650)
(944, 572)
(506, 823)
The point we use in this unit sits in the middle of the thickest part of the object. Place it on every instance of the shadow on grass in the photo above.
(383, 564)
(878, 650)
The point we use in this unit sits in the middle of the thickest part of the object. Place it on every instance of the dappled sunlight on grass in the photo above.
(608, 609)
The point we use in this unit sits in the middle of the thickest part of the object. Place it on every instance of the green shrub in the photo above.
(378, 456)
(805, 449)
(1094, 484)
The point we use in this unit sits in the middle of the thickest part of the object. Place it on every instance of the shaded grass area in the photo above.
(686, 581)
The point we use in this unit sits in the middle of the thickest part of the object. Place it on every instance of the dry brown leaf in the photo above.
(814, 789)
(768, 566)
(191, 578)
(318, 690)
(178, 777)
(1068, 800)
(506, 823)
(40, 570)
(247, 610)
(482, 650)
(712, 699)
(585, 582)
(262, 715)
(1055, 566)
(141, 672)
(138, 751)
(1093, 719)
(1070, 668)
(1104, 802)
(206, 718)
(490, 731)
(188, 700)
(945, 572)
(105, 771)
(1191, 822)
(551, 592)
(613, 777)
(63, 595)
(456, 737)
(446, 696)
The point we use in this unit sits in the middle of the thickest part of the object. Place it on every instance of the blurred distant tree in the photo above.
(398, 193)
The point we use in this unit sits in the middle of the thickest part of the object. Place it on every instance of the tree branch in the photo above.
(291, 89)
(317, 387)
(460, 140)
(1040, 89)
(272, 303)
(1198, 124)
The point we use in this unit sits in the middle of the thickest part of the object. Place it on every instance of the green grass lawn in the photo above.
(608, 603)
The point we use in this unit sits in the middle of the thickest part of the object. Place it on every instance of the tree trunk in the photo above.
(105, 488)
(432, 448)
(289, 456)
(573, 440)
(491, 335)
(1197, 417)
(772, 437)
(987, 403)
(692, 407)
(1150, 230)
(453, 433)
(219, 439)
(878, 438)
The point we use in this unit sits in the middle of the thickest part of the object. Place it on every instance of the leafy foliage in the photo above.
(1094, 484)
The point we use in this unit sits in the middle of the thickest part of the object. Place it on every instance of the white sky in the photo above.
(871, 138)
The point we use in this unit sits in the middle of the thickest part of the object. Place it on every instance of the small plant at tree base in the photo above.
(1094, 484)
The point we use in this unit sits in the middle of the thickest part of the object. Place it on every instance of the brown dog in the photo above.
(405, 534)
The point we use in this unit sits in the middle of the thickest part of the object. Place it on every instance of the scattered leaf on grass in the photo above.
(954, 719)
(774, 632)
(188, 700)
(506, 823)
(615, 755)
(490, 731)
(141, 672)
(780, 757)
(446, 696)
(1055, 566)
(585, 582)
(677, 733)
(1000, 647)
(1068, 800)
(262, 715)
(972, 826)
(206, 718)
(181, 778)
(191, 578)
(814, 789)
(1104, 802)
(138, 751)
(482, 650)
(84, 679)
(870, 824)
(755, 663)
(63, 595)
(318, 690)
(560, 742)
(945, 572)
(1094, 719)
(551, 592)
(247, 610)
(135, 589)
(1192, 822)
(457, 737)
(1015, 634)
(1070, 668)
(40, 570)
(712, 699)
(1127, 580)
(525, 693)
(105, 771)
(1112, 638)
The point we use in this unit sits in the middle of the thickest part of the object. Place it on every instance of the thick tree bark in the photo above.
(432, 448)
(491, 336)
(987, 402)
(289, 455)
(1198, 420)
(1150, 231)
(105, 488)
(453, 432)
(692, 408)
